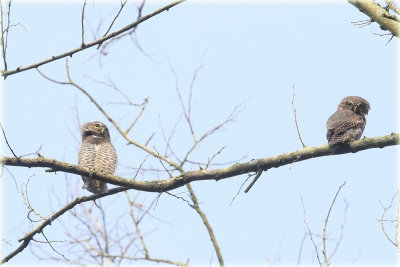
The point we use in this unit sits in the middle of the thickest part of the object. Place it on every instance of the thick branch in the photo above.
(386, 21)
(187, 177)
(96, 42)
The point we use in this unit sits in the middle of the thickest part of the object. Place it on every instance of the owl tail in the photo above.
(94, 186)
(98, 190)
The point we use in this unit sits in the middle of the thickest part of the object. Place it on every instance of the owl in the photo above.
(348, 122)
(96, 153)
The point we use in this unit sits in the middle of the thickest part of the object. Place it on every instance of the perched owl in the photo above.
(348, 122)
(96, 153)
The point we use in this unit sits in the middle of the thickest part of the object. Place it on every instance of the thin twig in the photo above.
(5, 137)
(362, 23)
(27, 202)
(48, 242)
(309, 232)
(115, 18)
(392, 7)
(112, 85)
(112, 23)
(180, 198)
(138, 116)
(98, 106)
(138, 232)
(5, 73)
(171, 135)
(341, 231)
(82, 24)
(3, 43)
(259, 172)
(213, 156)
(28, 237)
(326, 223)
(12, 176)
(301, 248)
(378, 14)
(140, 167)
(295, 119)
(194, 77)
(185, 112)
(396, 227)
(240, 189)
(385, 209)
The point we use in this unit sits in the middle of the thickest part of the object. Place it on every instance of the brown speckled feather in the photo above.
(96, 153)
(348, 122)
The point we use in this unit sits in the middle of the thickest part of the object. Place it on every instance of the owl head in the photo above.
(95, 128)
(355, 103)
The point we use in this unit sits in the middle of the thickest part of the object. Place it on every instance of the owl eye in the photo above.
(97, 126)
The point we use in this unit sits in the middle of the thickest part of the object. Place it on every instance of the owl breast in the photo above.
(97, 154)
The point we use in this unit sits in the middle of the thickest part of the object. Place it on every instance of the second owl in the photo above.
(348, 122)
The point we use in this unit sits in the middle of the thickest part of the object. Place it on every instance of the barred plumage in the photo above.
(348, 122)
(96, 153)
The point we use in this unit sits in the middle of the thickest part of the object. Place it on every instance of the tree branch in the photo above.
(326, 223)
(206, 223)
(184, 178)
(6, 73)
(28, 237)
(187, 177)
(386, 21)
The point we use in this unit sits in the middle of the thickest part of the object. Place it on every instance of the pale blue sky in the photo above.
(252, 52)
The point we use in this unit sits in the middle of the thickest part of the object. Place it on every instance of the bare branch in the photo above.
(213, 156)
(138, 116)
(27, 203)
(3, 43)
(309, 231)
(29, 236)
(259, 172)
(295, 119)
(82, 24)
(386, 21)
(341, 231)
(240, 188)
(128, 33)
(392, 7)
(98, 106)
(15, 252)
(218, 174)
(48, 242)
(396, 227)
(326, 223)
(112, 85)
(382, 220)
(4, 38)
(168, 141)
(5, 138)
(180, 198)
(138, 232)
(208, 226)
(6, 73)
(115, 18)
(186, 113)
